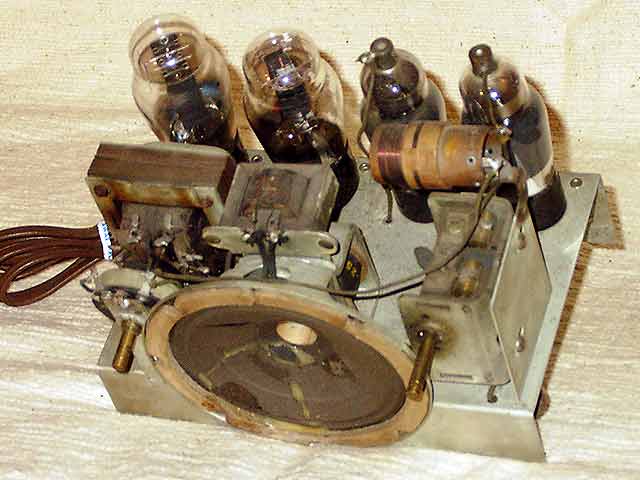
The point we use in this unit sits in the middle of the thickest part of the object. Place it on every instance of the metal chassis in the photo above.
(461, 418)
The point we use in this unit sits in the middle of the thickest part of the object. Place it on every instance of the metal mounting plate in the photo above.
(461, 418)
(299, 242)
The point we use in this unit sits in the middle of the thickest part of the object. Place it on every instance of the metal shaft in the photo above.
(124, 354)
(422, 367)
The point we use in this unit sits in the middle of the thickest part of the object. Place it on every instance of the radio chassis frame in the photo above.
(461, 419)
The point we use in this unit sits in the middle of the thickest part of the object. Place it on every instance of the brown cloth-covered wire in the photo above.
(27, 251)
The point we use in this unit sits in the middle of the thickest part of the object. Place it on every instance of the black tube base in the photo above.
(548, 206)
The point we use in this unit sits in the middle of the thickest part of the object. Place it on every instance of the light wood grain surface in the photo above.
(65, 87)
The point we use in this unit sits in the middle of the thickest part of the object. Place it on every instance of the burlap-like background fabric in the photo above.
(65, 86)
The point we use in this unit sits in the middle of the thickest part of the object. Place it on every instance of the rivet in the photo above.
(101, 190)
(576, 182)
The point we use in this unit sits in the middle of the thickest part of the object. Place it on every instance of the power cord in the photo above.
(30, 250)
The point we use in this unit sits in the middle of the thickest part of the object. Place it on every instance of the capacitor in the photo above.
(397, 89)
(495, 93)
(181, 85)
(293, 100)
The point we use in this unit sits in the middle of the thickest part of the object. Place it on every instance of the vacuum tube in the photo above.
(181, 85)
(293, 100)
(495, 93)
(396, 89)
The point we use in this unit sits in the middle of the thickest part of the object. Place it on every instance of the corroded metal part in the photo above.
(123, 358)
(469, 303)
(304, 195)
(433, 155)
(420, 375)
(166, 174)
(461, 418)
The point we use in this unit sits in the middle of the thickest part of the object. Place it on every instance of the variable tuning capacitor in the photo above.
(181, 85)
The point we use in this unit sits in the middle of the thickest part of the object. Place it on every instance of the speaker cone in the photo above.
(283, 364)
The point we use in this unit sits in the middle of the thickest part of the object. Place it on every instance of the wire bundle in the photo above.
(29, 250)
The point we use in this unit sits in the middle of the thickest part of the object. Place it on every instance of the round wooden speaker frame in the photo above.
(246, 293)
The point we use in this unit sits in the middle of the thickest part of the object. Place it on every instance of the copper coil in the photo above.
(431, 155)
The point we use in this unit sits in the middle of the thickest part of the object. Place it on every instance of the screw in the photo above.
(101, 190)
(363, 167)
(124, 354)
(273, 237)
(521, 342)
(576, 182)
(422, 366)
(256, 158)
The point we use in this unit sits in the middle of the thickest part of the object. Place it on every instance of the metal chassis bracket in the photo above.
(462, 419)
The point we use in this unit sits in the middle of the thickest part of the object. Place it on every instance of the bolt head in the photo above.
(576, 182)
(101, 190)
(522, 241)
(454, 225)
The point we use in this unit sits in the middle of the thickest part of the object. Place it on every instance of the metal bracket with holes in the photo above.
(471, 418)
(466, 417)
(299, 242)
